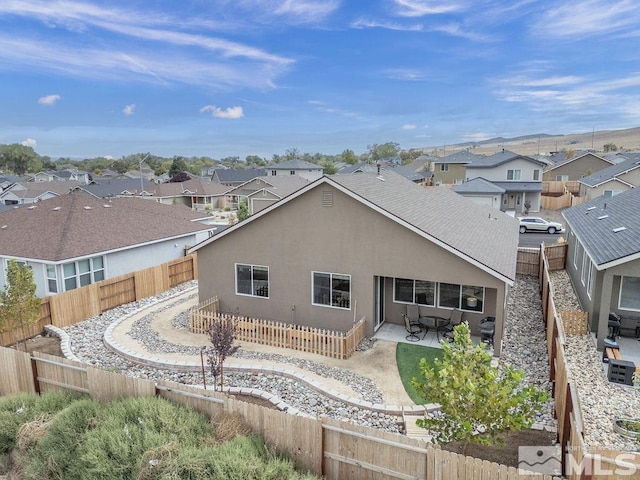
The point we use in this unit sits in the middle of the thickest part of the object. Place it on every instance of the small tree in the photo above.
(19, 305)
(222, 334)
(477, 401)
(243, 210)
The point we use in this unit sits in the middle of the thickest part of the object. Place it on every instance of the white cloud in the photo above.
(228, 113)
(129, 109)
(461, 31)
(578, 19)
(311, 11)
(419, 8)
(361, 23)
(49, 100)
(405, 74)
(29, 142)
(409, 126)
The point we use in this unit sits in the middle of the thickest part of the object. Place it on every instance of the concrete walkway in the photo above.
(377, 363)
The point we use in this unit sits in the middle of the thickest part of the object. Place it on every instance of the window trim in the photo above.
(536, 174)
(513, 174)
(620, 307)
(252, 295)
(590, 280)
(77, 274)
(461, 303)
(444, 167)
(583, 269)
(413, 294)
(330, 305)
(51, 279)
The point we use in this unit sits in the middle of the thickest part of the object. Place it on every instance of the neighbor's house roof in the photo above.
(520, 186)
(294, 165)
(480, 235)
(279, 185)
(411, 174)
(113, 187)
(198, 187)
(360, 167)
(237, 175)
(608, 228)
(500, 158)
(33, 190)
(479, 185)
(577, 157)
(463, 156)
(75, 226)
(609, 173)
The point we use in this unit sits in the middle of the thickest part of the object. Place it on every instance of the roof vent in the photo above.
(591, 208)
(327, 198)
(31, 207)
(381, 178)
(602, 217)
(106, 205)
(87, 207)
(55, 209)
(619, 229)
(3, 227)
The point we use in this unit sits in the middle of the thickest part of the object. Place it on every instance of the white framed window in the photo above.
(610, 193)
(562, 178)
(464, 297)
(590, 280)
(331, 290)
(83, 272)
(52, 279)
(514, 174)
(444, 167)
(536, 174)
(629, 294)
(274, 173)
(292, 172)
(420, 292)
(457, 181)
(252, 280)
(583, 273)
(576, 253)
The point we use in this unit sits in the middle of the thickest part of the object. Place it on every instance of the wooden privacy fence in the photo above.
(529, 260)
(329, 343)
(551, 187)
(579, 460)
(325, 447)
(76, 305)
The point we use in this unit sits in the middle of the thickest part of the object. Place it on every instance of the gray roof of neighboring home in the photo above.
(77, 225)
(596, 232)
(294, 165)
(280, 186)
(463, 156)
(577, 157)
(238, 175)
(520, 186)
(200, 187)
(361, 167)
(611, 172)
(411, 174)
(478, 185)
(498, 159)
(112, 187)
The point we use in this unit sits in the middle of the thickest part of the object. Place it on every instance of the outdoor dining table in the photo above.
(433, 321)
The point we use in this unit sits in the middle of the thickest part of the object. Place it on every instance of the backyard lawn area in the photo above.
(408, 359)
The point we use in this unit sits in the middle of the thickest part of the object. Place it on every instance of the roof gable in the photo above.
(500, 158)
(609, 173)
(579, 157)
(429, 213)
(295, 165)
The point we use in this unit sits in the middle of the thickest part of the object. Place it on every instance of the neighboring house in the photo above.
(196, 193)
(612, 180)
(482, 192)
(575, 168)
(236, 176)
(452, 168)
(73, 240)
(262, 192)
(7, 180)
(307, 170)
(603, 258)
(421, 178)
(519, 175)
(360, 167)
(31, 192)
(115, 187)
(61, 175)
(347, 247)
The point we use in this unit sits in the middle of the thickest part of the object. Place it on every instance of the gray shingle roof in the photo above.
(488, 236)
(111, 187)
(410, 174)
(360, 167)
(458, 157)
(520, 186)
(611, 172)
(73, 230)
(499, 158)
(237, 175)
(478, 185)
(597, 234)
(295, 165)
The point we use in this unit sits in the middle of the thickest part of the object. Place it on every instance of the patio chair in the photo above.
(455, 319)
(413, 327)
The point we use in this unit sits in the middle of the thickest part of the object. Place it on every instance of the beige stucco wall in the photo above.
(599, 190)
(301, 236)
(632, 177)
(577, 169)
(457, 171)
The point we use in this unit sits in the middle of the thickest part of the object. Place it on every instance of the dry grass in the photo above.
(30, 433)
(228, 426)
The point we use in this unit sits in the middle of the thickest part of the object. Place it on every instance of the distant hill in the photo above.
(544, 143)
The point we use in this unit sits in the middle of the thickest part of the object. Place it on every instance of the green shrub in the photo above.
(16, 410)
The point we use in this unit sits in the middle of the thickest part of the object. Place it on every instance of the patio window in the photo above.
(331, 290)
(464, 297)
(419, 292)
(630, 294)
(590, 280)
(52, 279)
(82, 272)
(252, 280)
(514, 174)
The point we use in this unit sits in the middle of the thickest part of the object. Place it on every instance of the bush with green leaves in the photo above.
(478, 401)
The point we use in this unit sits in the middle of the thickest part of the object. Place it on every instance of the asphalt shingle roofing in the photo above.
(478, 185)
(75, 225)
(594, 223)
(498, 159)
(482, 233)
(295, 165)
(611, 172)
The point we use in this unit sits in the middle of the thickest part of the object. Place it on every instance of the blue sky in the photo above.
(222, 78)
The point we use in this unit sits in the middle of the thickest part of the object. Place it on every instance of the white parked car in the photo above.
(537, 224)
